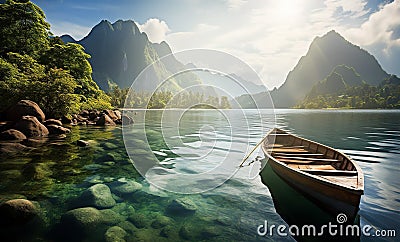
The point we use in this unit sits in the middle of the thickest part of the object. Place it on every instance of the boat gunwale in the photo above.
(360, 181)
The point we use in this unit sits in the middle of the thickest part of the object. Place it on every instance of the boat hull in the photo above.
(334, 199)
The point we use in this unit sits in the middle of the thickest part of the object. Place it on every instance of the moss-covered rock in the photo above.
(98, 196)
(161, 221)
(115, 234)
(17, 212)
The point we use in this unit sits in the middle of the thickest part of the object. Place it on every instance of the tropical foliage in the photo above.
(36, 66)
(386, 95)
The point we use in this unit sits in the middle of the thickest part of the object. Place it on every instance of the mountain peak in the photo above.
(324, 54)
(67, 38)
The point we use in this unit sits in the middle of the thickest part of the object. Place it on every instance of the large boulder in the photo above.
(25, 108)
(31, 127)
(81, 219)
(111, 114)
(66, 120)
(57, 129)
(118, 114)
(94, 114)
(12, 134)
(98, 196)
(53, 121)
(77, 223)
(105, 120)
(17, 212)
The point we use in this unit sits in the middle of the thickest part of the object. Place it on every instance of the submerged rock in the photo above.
(12, 135)
(82, 219)
(98, 196)
(106, 157)
(24, 108)
(161, 221)
(209, 232)
(12, 148)
(139, 220)
(115, 234)
(126, 120)
(109, 146)
(82, 143)
(182, 206)
(125, 188)
(167, 232)
(17, 212)
(31, 127)
(127, 226)
(186, 232)
(36, 171)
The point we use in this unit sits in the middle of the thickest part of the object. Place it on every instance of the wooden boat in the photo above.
(329, 177)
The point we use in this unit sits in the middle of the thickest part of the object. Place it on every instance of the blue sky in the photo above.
(269, 35)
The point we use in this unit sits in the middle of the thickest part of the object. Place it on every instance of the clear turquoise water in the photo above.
(232, 211)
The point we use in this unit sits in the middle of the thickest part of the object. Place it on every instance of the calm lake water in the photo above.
(203, 146)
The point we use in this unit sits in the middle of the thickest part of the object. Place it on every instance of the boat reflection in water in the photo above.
(298, 209)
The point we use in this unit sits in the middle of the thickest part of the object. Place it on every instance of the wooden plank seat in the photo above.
(330, 172)
(305, 162)
(289, 150)
(305, 158)
(302, 155)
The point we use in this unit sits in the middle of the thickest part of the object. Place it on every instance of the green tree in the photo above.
(35, 66)
(23, 28)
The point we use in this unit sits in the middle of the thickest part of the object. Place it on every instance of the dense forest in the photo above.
(165, 99)
(35, 65)
(365, 96)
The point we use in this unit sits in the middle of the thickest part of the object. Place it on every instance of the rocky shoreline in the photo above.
(25, 124)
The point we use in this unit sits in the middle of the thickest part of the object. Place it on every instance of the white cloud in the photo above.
(379, 28)
(75, 30)
(380, 34)
(155, 29)
(235, 4)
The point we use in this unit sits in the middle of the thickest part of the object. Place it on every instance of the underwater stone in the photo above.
(167, 231)
(126, 188)
(124, 209)
(161, 222)
(109, 146)
(209, 232)
(98, 196)
(81, 219)
(36, 171)
(17, 212)
(115, 234)
(82, 143)
(186, 232)
(127, 226)
(110, 217)
(182, 206)
(139, 220)
(106, 157)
